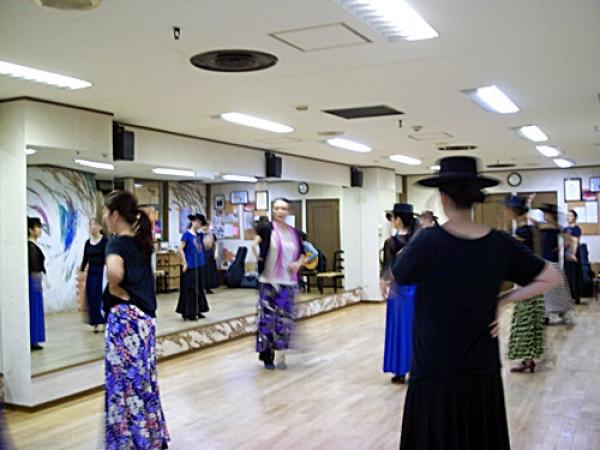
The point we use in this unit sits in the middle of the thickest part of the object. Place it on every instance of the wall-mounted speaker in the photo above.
(123, 142)
(356, 177)
(273, 165)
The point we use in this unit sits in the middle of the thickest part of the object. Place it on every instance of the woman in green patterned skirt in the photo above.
(527, 330)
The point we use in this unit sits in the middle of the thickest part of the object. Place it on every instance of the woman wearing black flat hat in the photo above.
(455, 398)
(192, 300)
(558, 300)
(527, 332)
(400, 298)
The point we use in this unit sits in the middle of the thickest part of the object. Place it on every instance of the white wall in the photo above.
(548, 180)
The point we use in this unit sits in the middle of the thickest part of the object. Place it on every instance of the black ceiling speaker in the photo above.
(274, 165)
(356, 177)
(233, 60)
(122, 143)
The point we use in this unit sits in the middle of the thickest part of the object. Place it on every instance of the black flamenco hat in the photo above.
(515, 201)
(458, 169)
(197, 216)
(402, 208)
(549, 208)
(34, 222)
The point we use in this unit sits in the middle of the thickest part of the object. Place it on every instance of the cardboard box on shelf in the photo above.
(173, 270)
(173, 283)
(174, 258)
(162, 258)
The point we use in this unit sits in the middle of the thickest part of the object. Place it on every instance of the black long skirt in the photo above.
(192, 300)
(210, 273)
(465, 413)
(575, 279)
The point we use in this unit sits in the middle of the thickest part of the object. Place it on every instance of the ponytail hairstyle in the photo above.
(463, 193)
(126, 204)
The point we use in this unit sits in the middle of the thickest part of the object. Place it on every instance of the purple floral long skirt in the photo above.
(275, 319)
(134, 415)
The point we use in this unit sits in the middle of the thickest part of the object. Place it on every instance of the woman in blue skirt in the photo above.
(94, 260)
(400, 298)
(37, 272)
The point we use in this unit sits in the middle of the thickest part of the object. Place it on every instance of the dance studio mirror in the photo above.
(68, 199)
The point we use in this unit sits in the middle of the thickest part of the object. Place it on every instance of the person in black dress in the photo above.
(93, 261)
(571, 237)
(37, 279)
(210, 274)
(455, 398)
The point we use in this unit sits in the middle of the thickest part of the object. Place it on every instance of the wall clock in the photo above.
(514, 179)
(303, 188)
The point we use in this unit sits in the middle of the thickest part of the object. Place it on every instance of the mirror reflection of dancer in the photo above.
(455, 397)
(571, 236)
(93, 262)
(192, 300)
(428, 220)
(37, 278)
(400, 298)
(278, 250)
(558, 300)
(209, 241)
(527, 334)
(134, 415)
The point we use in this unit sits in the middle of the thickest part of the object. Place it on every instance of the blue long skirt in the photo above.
(37, 328)
(398, 349)
(93, 294)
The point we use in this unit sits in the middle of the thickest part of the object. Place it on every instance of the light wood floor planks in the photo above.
(334, 396)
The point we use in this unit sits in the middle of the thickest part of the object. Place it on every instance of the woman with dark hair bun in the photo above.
(134, 415)
(455, 398)
(526, 330)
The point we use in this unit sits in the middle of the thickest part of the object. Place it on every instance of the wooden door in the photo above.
(296, 211)
(490, 213)
(323, 226)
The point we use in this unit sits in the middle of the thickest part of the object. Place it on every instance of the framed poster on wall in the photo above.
(239, 197)
(219, 202)
(572, 189)
(262, 200)
(594, 184)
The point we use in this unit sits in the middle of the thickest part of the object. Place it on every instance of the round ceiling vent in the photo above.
(330, 133)
(80, 5)
(456, 148)
(233, 60)
(499, 165)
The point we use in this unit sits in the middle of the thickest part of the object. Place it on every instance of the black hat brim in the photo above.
(480, 182)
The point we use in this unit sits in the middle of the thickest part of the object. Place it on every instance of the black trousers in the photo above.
(575, 279)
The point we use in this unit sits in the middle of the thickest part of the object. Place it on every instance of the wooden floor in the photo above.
(334, 395)
(70, 341)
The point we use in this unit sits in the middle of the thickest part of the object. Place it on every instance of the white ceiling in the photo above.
(545, 54)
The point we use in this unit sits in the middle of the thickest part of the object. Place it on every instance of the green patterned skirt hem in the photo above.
(527, 330)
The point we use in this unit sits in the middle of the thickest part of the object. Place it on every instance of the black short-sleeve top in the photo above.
(138, 279)
(94, 254)
(549, 244)
(525, 234)
(458, 282)
(35, 258)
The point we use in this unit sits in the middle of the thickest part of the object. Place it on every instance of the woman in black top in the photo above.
(527, 334)
(37, 275)
(134, 415)
(93, 261)
(455, 398)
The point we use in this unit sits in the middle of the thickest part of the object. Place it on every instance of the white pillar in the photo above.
(378, 195)
(15, 356)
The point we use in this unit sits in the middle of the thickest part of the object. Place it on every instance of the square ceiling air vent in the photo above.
(363, 112)
(321, 37)
(439, 136)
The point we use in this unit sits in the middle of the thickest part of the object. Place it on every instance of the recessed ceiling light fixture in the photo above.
(30, 151)
(241, 178)
(492, 99)
(533, 133)
(175, 172)
(41, 76)
(95, 164)
(348, 144)
(406, 160)
(255, 122)
(548, 151)
(563, 163)
(393, 19)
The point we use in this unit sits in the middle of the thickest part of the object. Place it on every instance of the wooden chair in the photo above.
(336, 274)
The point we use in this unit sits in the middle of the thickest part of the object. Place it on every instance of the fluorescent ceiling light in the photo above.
(255, 122)
(241, 178)
(175, 172)
(406, 160)
(548, 151)
(393, 19)
(30, 151)
(435, 168)
(95, 164)
(347, 144)
(563, 163)
(492, 99)
(533, 133)
(41, 76)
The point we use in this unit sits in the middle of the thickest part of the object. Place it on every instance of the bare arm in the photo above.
(116, 271)
(256, 247)
(546, 280)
